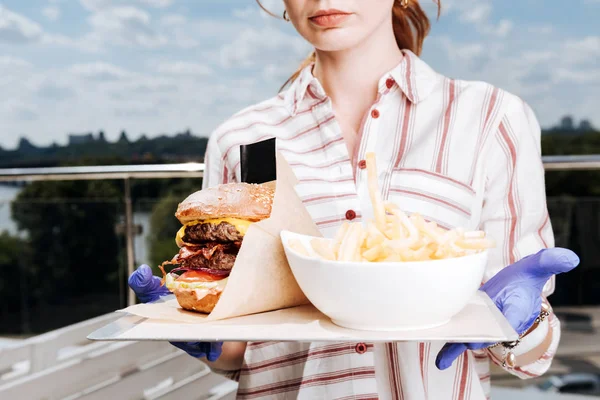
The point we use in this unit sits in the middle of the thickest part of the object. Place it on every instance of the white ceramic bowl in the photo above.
(386, 296)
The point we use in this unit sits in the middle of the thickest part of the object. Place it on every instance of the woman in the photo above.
(460, 153)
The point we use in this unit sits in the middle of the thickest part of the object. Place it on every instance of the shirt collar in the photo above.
(413, 76)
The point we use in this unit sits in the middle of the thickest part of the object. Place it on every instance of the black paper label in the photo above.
(258, 162)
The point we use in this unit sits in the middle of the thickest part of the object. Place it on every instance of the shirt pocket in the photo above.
(437, 197)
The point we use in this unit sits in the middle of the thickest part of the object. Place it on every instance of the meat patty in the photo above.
(222, 233)
(210, 255)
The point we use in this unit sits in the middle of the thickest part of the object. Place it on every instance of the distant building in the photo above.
(81, 139)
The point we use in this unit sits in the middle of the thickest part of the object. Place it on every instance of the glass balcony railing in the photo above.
(71, 236)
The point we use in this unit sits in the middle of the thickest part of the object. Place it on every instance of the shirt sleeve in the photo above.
(515, 213)
(216, 170)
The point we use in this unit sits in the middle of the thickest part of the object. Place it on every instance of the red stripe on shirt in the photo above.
(225, 173)
(441, 177)
(483, 134)
(408, 112)
(332, 164)
(540, 234)
(298, 358)
(321, 147)
(447, 118)
(394, 372)
(512, 201)
(397, 144)
(518, 369)
(330, 197)
(307, 381)
(409, 77)
(312, 180)
(265, 124)
(432, 197)
(312, 128)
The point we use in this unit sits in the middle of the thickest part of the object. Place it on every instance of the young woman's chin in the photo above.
(336, 39)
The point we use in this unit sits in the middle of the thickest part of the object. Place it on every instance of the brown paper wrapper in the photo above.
(261, 279)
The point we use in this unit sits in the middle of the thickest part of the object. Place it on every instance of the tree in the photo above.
(123, 138)
(75, 253)
(164, 225)
(14, 259)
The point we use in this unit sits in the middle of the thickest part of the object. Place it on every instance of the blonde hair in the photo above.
(411, 27)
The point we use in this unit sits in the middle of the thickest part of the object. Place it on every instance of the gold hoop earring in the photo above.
(285, 16)
(404, 3)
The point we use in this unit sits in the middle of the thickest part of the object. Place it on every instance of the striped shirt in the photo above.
(462, 154)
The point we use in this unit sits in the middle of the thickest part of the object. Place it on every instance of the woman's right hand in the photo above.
(148, 288)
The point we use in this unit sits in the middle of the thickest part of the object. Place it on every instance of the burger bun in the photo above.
(246, 201)
(188, 301)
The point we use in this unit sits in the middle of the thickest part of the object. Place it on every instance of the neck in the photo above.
(353, 73)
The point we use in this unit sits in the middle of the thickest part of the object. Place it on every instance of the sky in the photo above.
(158, 67)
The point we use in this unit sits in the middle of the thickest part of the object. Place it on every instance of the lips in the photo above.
(329, 18)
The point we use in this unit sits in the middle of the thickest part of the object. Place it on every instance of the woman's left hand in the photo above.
(517, 292)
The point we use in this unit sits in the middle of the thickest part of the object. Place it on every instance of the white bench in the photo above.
(63, 364)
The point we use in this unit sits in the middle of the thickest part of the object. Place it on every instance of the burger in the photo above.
(215, 221)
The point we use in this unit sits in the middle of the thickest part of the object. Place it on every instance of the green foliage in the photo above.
(71, 227)
(15, 256)
(164, 225)
(182, 147)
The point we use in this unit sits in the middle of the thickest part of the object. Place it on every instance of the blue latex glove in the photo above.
(517, 292)
(148, 288)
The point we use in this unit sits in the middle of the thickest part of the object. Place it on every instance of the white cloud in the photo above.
(173, 20)
(244, 13)
(172, 58)
(51, 12)
(477, 13)
(260, 46)
(541, 29)
(184, 69)
(583, 50)
(124, 26)
(97, 5)
(158, 3)
(10, 63)
(536, 68)
(15, 109)
(15, 28)
(584, 76)
(503, 29)
(99, 71)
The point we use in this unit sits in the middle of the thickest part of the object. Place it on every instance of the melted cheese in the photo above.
(240, 224)
(172, 284)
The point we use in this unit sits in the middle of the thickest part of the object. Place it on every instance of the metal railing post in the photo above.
(129, 238)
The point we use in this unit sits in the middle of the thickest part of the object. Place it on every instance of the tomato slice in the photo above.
(199, 276)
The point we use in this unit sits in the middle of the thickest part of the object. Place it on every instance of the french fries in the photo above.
(394, 236)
